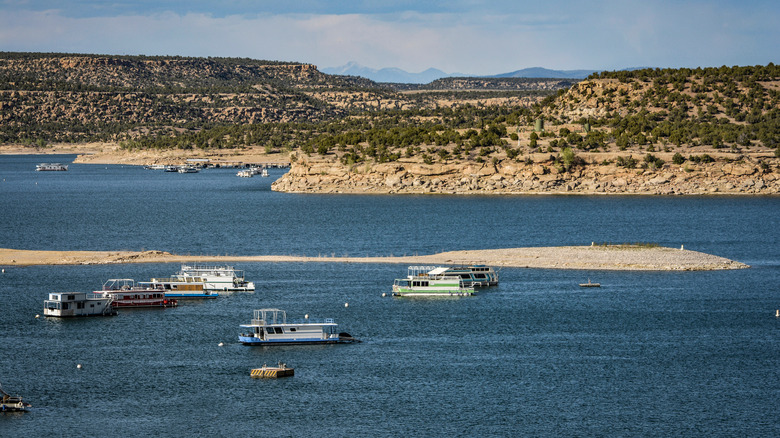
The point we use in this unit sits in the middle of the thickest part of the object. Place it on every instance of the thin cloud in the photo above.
(609, 36)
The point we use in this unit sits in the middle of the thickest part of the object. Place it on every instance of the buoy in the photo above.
(384, 294)
(78, 366)
(346, 304)
(3, 270)
(777, 313)
(37, 316)
(221, 344)
(306, 316)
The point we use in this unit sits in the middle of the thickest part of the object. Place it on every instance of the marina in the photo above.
(428, 281)
(270, 327)
(74, 304)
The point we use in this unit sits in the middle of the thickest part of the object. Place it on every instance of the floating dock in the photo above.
(589, 284)
(267, 372)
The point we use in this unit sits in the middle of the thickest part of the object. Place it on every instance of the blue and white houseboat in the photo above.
(270, 327)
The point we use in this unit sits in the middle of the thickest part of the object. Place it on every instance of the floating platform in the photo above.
(267, 372)
(589, 284)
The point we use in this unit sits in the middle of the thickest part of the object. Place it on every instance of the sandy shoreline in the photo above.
(613, 257)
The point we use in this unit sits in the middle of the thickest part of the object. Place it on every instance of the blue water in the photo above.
(648, 353)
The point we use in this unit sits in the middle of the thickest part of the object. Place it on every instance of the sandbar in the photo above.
(594, 257)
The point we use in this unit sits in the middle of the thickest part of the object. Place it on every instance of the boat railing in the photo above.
(263, 322)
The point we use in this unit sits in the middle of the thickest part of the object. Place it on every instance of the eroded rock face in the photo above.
(519, 178)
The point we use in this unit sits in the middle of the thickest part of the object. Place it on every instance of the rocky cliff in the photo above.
(749, 175)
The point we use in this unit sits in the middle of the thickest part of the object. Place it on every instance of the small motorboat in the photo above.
(12, 403)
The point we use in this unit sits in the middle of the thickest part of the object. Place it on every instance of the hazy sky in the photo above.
(463, 36)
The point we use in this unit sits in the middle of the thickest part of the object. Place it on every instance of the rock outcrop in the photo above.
(511, 177)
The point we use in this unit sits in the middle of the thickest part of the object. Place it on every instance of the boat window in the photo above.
(79, 305)
(292, 329)
(269, 330)
(479, 276)
(65, 306)
(71, 297)
(465, 275)
(279, 330)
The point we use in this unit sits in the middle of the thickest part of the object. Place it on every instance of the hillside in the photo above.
(53, 98)
(645, 132)
(711, 130)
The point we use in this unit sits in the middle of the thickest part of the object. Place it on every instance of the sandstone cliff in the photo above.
(746, 176)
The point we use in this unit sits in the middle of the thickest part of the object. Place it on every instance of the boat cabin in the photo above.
(77, 304)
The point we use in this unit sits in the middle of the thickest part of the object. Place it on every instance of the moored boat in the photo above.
(216, 277)
(68, 304)
(179, 288)
(270, 327)
(12, 403)
(125, 293)
(188, 169)
(422, 281)
(471, 275)
(51, 167)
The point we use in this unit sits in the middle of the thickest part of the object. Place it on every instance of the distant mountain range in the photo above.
(396, 75)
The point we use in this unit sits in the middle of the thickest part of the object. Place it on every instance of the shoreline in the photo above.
(611, 257)
(733, 174)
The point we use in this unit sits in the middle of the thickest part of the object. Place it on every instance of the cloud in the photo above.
(609, 35)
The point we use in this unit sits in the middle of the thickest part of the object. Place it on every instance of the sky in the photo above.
(457, 36)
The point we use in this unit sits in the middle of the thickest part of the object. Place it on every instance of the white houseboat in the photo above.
(125, 293)
(66, 304)
(270, 327)
(473, 275)
(422, 281)
(217, 277)
(51, 167)
(175, 287)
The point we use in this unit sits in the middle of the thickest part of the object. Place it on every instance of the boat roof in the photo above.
(438, 271)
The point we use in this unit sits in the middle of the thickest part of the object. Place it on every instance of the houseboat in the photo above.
(270, 327)
(217, 277)
(473, 275)
(188, 169)
(175, 287)
(67, 304)
(51, 167)
(125, 293)
(422, 281)
(12, 403)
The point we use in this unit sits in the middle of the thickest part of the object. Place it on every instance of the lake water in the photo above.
(648, 353)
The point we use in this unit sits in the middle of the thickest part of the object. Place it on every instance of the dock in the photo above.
(267, 372)
(589, 284)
